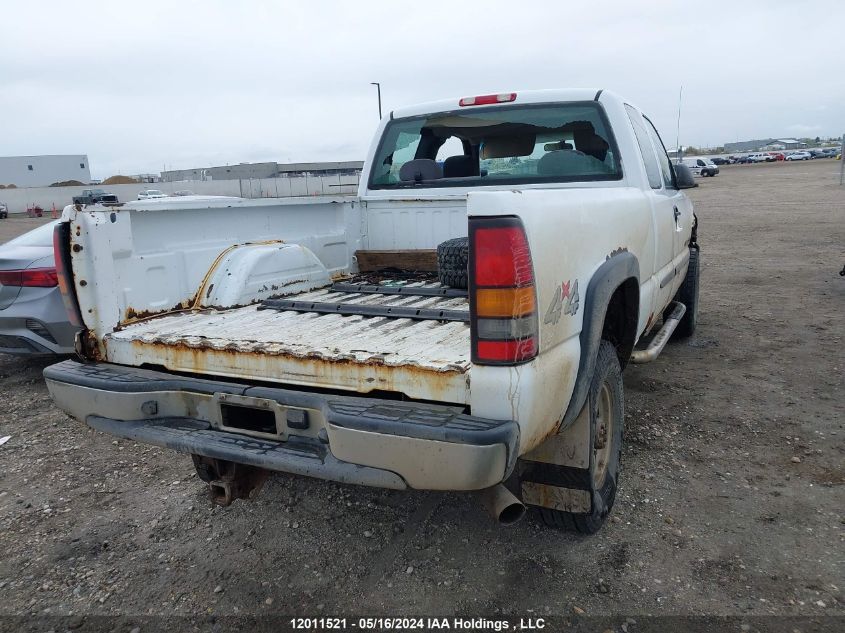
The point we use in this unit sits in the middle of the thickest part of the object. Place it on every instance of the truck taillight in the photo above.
(503, 300)
(61, 253)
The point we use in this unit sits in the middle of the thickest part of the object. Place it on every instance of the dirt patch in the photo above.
(714, 514)
(67, 183)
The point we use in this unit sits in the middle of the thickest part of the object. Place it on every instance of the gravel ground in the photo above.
(731, 498)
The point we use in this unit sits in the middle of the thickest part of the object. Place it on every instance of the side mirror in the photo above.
(683, 176)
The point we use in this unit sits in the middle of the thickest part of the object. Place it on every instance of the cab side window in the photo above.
(651, 167)
(662, 156)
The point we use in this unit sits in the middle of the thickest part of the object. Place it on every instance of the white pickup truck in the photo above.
(330, 337)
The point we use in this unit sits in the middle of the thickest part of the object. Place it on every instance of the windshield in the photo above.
(42, 236)
(500, 145)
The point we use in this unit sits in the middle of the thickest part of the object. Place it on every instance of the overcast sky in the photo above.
(141, 85)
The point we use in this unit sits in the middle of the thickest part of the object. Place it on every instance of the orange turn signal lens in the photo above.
(504, 302)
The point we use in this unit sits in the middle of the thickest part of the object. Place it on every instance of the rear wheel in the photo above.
(606, 403)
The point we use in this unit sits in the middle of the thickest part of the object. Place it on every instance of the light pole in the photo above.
(678, 137)
(378, 87)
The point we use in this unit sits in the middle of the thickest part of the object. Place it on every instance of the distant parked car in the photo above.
(799, 156)
(761, 157)
(777, 155)
(4, 211)
(95, 196)
(33, 319)
(183, 192)
(701, 166)
(718, 160)
(743, 160)
(151, 194)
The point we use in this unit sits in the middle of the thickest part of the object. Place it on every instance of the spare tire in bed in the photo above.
(452, 262)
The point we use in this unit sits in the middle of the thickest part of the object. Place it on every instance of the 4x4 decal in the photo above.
(566, 300)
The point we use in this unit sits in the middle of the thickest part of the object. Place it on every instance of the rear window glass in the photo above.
(499, 145)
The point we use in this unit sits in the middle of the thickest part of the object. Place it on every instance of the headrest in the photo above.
(420, 169)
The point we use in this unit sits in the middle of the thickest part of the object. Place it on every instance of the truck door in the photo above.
(663, 205)
(681, 209)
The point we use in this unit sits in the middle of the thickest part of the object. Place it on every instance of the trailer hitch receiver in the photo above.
(228, 481)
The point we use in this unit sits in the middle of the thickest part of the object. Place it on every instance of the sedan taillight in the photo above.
(30, 278)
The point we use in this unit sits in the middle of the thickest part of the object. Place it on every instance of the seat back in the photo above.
(461, 166)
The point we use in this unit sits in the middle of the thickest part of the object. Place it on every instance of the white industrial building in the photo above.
(43, 171)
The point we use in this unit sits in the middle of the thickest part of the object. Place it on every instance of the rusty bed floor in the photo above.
(424, 359)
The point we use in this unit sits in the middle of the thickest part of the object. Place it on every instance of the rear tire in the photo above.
(607, 417)
(452, 262)
(688, 295)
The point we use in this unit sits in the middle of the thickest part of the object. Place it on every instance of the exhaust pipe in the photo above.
(502, 504)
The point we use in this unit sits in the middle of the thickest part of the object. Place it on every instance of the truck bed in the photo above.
(317, 339)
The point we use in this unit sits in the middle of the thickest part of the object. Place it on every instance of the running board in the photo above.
(662, 337)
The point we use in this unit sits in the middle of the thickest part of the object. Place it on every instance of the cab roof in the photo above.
(522, 96)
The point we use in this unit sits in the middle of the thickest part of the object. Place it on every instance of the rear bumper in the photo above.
(364, 441)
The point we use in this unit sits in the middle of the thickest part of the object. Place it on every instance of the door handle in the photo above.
(677, 214)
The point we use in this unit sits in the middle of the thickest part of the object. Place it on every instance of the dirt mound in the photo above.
(119, 180)
(67, 183)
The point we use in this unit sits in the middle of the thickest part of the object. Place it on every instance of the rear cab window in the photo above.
(500, 145)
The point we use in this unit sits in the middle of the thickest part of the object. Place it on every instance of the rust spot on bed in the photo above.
(131, 315)
(259, 361)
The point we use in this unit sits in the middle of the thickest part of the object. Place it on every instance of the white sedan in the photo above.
(150, 194)
(799, 156)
